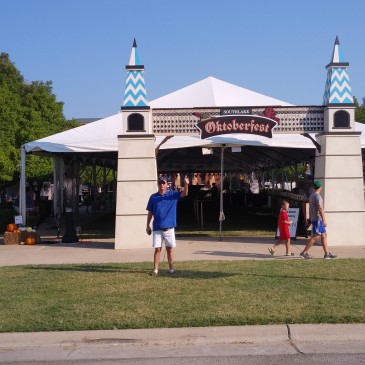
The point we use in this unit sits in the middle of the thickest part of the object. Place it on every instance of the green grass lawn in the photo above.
(202, 293)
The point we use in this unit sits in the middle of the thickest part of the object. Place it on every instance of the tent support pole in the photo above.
(76, 209)
(105, 189)
(221, 210)
(22, 197)
(94, 186)
(56, 192)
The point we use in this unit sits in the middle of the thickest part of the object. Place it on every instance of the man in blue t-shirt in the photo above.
(162, 207)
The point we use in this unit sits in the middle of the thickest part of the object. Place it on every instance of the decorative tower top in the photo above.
(135, 95)
(337, 90)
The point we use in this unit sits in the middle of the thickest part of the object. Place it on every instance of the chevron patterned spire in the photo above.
(135, 94)
(337, 89)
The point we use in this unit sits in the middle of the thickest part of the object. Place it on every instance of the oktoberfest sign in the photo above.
(228, 124)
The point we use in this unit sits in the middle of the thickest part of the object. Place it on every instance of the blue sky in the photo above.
(277, 48)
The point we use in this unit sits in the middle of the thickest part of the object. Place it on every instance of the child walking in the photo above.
(283, 226)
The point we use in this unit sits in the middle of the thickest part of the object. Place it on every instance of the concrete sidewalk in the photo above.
(184, 342)
(188, 248)
(102, 251)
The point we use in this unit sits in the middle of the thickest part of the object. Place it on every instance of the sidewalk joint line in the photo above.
(291, 341)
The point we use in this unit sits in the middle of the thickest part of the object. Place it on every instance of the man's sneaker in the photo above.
(271, 251)
(154, 272)
(289, 254)
(329, 256)
(171, 271)
(305, 256)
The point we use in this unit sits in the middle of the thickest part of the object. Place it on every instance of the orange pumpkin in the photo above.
(11, 227)
(30, 241)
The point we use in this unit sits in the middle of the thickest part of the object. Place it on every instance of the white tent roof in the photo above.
(212, 92)
(360, 127)
(101, 135)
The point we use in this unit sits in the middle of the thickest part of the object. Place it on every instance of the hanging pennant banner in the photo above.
(228, 124)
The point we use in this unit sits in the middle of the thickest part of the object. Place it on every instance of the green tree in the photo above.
(360, 111)
(28, 111)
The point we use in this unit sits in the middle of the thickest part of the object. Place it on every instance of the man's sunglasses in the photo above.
(161, 182)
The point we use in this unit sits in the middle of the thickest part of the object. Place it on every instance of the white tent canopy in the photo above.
(101, 135)
(212, 92)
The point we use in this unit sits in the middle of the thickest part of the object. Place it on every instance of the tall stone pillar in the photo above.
(137, 172)
(136, 181)
(339, 167)
(339, 162)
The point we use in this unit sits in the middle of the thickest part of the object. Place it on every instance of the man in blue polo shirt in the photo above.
(162, 207)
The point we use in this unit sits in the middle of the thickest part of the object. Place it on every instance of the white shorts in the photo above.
(168, 236)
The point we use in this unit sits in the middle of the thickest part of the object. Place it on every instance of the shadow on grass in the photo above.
(192, 274)
(87, 268)
(183, 274)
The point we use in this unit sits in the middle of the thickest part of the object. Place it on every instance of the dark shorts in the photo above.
(318, 227)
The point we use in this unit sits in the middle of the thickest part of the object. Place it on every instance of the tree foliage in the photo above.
(28, 111)
(360, 111)
(87, 176)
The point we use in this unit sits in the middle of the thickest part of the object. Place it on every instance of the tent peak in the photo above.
(213, 92)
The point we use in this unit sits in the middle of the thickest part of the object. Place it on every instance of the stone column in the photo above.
(136, 181)
(339, 167)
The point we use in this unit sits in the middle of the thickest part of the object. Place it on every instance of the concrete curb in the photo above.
(194, 335)
(156, 336)
(328, 338)
(268, 340)
(327, 332)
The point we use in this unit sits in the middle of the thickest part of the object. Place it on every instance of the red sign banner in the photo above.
(247, 124)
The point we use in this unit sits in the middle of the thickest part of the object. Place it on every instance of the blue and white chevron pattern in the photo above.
(134, 59)
(135, 91)
(337, 90)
